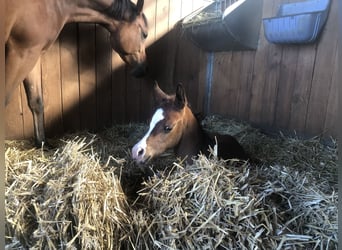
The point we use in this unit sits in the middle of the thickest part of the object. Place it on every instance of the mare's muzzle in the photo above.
(139, 70)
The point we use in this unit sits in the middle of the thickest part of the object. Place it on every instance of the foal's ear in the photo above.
(159, 95)
(180, 99)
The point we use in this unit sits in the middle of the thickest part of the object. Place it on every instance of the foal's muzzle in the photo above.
(139, 154)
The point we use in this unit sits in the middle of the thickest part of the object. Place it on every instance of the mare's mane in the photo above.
(122, 10)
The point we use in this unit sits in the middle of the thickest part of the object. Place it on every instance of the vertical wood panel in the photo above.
(260, 72)
(220, 84)
(330, 126)
(323, 71)
(133, 101)
(269, 94)
(233, 84)
(52, 90)
(302, 87)
(202, 94)
(118, 94)
(103, 78)
(187, 68)
(162, 18)
(286, 84)
(69, 78)
(175, 12)
(87, 76)
(245, 90)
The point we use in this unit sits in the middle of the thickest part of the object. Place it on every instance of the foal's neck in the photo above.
(193, 140)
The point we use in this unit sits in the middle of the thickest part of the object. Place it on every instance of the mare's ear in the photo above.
(180, 99)
(140, 5)
(159, 95)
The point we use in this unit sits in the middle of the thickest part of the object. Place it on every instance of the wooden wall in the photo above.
(87, 86)
(277, 87)
(281, 86)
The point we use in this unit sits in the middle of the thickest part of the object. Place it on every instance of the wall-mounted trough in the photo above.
(297, 23)
(236, 28)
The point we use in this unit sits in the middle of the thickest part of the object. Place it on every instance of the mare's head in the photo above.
(128, 37)
(166, 126)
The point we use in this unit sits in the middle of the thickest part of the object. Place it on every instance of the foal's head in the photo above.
(166, 127)
(128, 38)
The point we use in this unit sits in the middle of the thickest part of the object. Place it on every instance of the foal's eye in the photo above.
(167, 129)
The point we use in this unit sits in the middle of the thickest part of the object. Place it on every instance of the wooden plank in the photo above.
(13, 122)
(146, 106)
(87, 75)
(118, 82)
(286, 86)
(221, 68)
(323, 71)
(162, 18)
(245, 81)
(301, 90)
(175, 12)
(162, 67)
(52, 90)
(159, 65)
(232, 83)
(330, 125)
(70, 78)
(150, 7)
(270, 89)
(103, 77)
(202, 75)
(260, 71)
(133, 98)
(187, 68)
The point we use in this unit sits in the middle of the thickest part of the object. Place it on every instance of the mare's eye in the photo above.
(167, 129)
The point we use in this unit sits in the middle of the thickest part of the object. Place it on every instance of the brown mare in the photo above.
(32, 26)
(173, 125)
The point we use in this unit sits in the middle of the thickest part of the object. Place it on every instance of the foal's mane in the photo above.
(122, 10)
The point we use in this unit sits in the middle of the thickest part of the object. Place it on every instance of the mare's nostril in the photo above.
(141, 152)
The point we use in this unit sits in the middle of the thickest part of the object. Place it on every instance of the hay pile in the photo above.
(64, 200)
(83, 194)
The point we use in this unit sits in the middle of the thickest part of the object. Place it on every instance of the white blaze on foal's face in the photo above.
(139, 149)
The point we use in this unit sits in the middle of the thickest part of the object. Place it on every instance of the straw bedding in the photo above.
(87, 194)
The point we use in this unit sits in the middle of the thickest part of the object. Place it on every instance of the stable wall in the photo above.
(276, 87)
(86, 85)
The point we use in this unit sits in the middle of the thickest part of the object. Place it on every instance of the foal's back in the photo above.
(227, 146)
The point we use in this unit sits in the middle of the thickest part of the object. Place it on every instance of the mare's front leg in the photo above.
(35, 102)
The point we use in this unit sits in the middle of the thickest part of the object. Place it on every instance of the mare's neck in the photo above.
(87, 11)
(193, 139)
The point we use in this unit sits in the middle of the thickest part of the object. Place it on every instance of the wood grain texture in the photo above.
(70, 78)
(52, 90)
